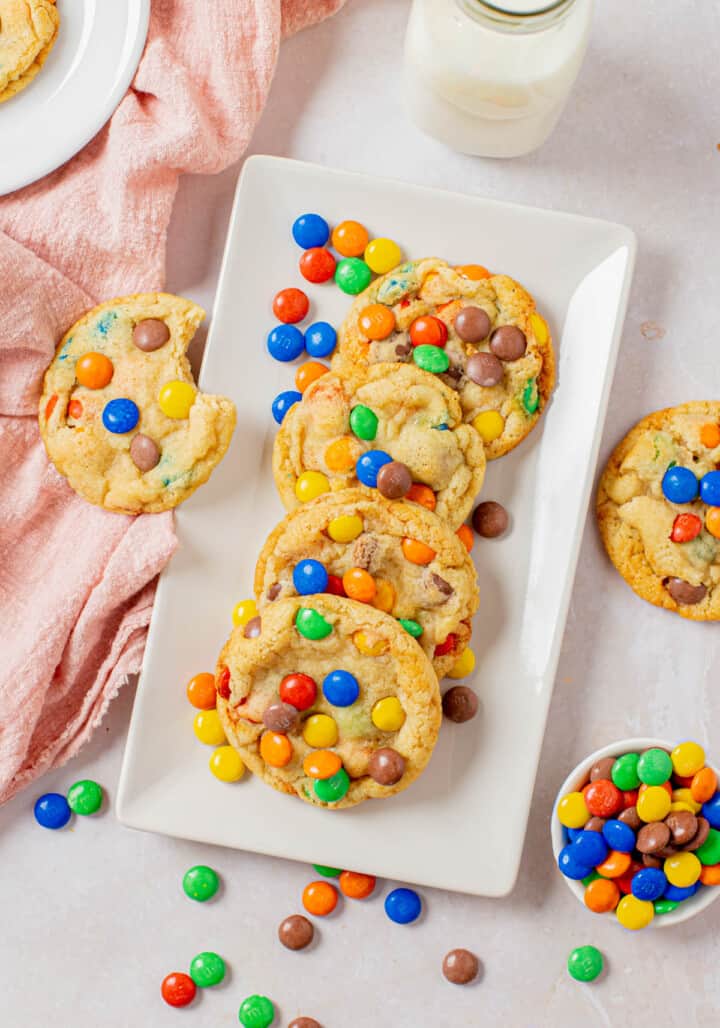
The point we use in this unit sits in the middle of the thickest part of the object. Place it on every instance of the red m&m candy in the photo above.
(428, 331)
(178, 989)
(290, 305)
(317, 264)
(298, 690)
(335, 586)
(603, 798)
(685, 528)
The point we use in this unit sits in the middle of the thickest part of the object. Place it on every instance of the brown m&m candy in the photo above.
(296, 932)
(630, 817)
(602, 769)
(280, 717)
(460, 704)
(253, 628)
(144, 452)
(683, 826)
(304, 1022)
(394, 480)
(386, 766)
(508, 343)
(649, 860)
(484, 369)
(703, 830)
(460, 966)
(472, 324)
(595, 824)
(490, 519)
(653, 838)
(682, 592)
(150, 334)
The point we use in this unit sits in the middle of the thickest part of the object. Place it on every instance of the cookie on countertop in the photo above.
(120, 416)
(420, 569)
(332, 701)
(658, 509)
(28, 30)
(343, 432)
(498, 354)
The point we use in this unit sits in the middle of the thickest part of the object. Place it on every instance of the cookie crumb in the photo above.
(652, 331)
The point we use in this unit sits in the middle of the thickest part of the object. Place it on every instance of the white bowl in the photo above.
(577, 777)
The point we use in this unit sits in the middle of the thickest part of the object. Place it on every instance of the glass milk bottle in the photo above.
(492, 78)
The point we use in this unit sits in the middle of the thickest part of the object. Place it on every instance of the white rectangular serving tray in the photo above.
(461, 826)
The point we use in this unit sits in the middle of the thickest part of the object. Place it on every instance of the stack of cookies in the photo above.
(366, 590)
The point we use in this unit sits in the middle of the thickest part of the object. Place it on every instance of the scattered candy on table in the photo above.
(52, 810)
(285, 343)
(320, 339)
(310, 230)
(460, 966)
(403, 906)
(85, 797)
(317, 265)
(256, 1012)
(296, 932)
(320, 898)
(585, 964)
(350, 238)
(207, 969)
(201, 691)
(200, 883)
(283, 402)
(643, 823)
(290, 305)
(178, 989)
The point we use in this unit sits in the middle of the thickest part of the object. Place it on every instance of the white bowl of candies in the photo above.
(636, 832)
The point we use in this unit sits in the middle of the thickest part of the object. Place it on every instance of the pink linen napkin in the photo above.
(77, 583)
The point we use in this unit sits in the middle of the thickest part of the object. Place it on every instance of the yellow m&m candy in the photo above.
(682, 870)
(653, 804)
(686, 797)
(320, 731)
(369, 644)
(572, 810)
(176, 398)
(382, 255)
(687, 759)
(384, 595)
(226, 764)
(345, 528)
(243, 612)
(388, 714)
(464, 665)
(633, 913)
(539, 327)
(208, 729)
(490, 424)
(311, 484)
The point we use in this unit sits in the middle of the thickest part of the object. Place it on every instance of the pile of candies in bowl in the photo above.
(636, 832)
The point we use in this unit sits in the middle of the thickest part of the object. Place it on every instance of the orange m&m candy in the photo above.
(359, 585)
(710, 435)
(94, 370)
(321, 764)
(465, 535)
(614, 864)
(50, 406)
(275, 749)
(417, 552)
(376, 321)
(703, 785)
(474, 272)
(428, 331)
(308, 373)
(384, 595)
(201, 691)
(423, 495)
(290, 305)
(602, 895)
(75, 409)
(710, 874)
(341, 454)
(355, 885)
(712, 521)
(350, 238)
(320, 898)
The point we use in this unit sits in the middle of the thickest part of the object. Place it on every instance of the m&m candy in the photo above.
(310, 576)
(359, 585)
(403, 906)
(120, 416)
(428, 330)
(350, 238)
(201, 691)
(363, 422)
(369, 464)
(244, 611)
(207, 969)
(710, 488)
(388, 714)
(572, 810)
(321, 764)
(649, 883)
(94, 370)
(310, 230)
(345, 528)
(256, 1012)
(352, 275)
(464, 665)
(340, 688)
(178, 989)
(200, 883)
(285, 343)
(679, 485)
(311, 484)
(317, 265)
(320, 730)
(332, 789)
(85, 797)
(687, 759)
(175, 399)
(320, 898)
(283, 402)
(208, 729)
(654, 767)
(226, 764)
(633, 913)
(299, 690)
(320, 339)
(431, 358)
(376, 321)
(290, 305)
(624, 771)
(308, 373)
(489, 424)
(585, 964)
(328, 872)
(382, 255)
(356, 886)
(52, 810)
(311, 624)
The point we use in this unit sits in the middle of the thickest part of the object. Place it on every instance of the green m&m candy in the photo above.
(664, 906)
(363, 422)
(431, 358)
(654, 767)
(256, 1012)
(352, 275)
(411, 627)
(328, 872)
(85, 797)
(332, 789)
(530, 396)
(200, 883)
(591, 877)
(625, 772)
(207, 969)
(585, 963)
(709, 852)
(311, 624)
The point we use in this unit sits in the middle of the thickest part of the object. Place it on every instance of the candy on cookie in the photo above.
(396, 429)
(480, 332)
(120, 415)
(658, 509)
(370, 543)
(28, 30)
(332, 701)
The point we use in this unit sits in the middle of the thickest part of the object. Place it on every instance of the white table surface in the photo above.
(94, 916)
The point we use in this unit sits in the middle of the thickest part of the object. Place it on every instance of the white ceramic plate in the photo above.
(86, 75)
(461, 826)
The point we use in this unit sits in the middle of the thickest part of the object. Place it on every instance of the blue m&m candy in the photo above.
(648, 884)
(711, 811)
(369, 464)
(283, 402)
(590, 849)
(403, 906)
(569, 863)
(120, 416)
(341, 688)
(310, 230)
(310, 576)
(285, 343)
(679, 485)
(320, 339)
(710, 488)
(619, 836)
(678, 893)
(52, 810)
